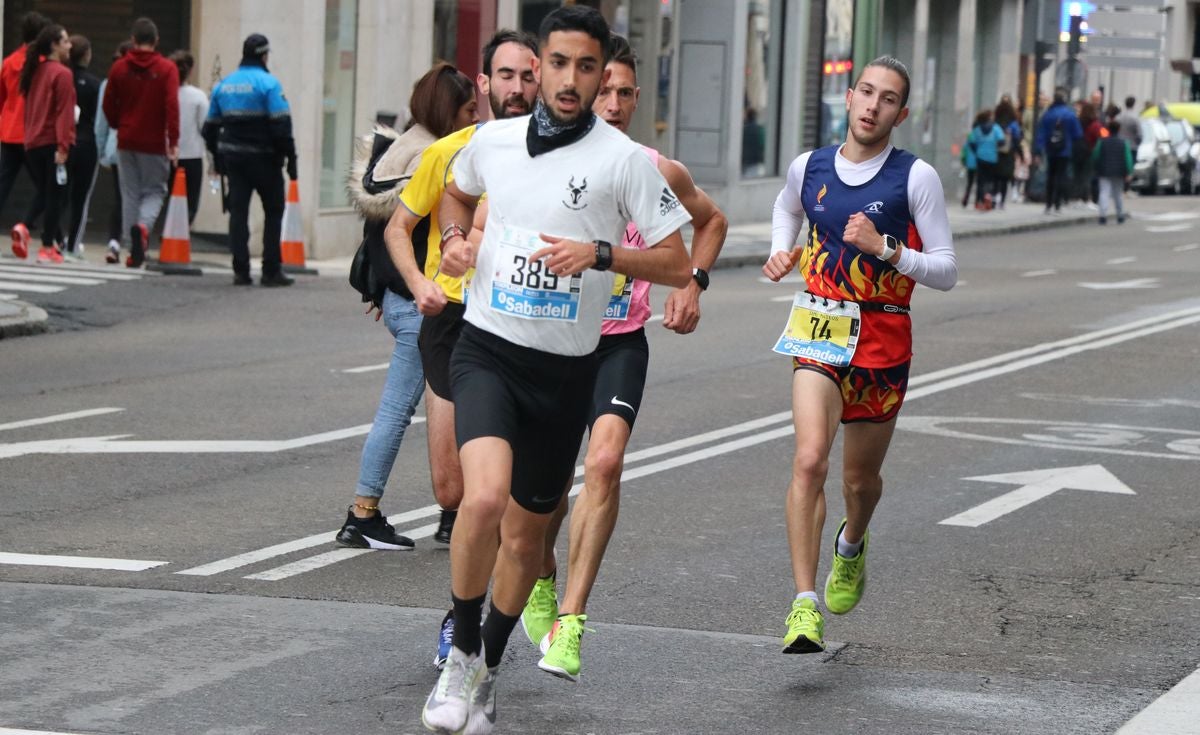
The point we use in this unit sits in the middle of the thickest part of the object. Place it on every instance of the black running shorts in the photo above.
(621, 360)
(536, 401)
(436, 342)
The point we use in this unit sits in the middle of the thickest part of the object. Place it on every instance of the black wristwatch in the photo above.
(700, 276)
(603, 256)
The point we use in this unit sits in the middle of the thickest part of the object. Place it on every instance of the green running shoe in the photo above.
(847, 579)
(540, 610)
(560, 647)
(806, 628)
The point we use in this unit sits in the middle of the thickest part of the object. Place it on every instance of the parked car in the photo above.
(1155, 166)
(1187, 150)
(1189, 111)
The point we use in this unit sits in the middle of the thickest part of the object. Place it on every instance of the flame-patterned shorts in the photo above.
(868, 394)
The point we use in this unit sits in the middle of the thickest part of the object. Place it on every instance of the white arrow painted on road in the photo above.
(1114, 285)
(1037, 484)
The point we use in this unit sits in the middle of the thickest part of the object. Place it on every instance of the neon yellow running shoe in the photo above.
(540, 610)
(560, 647)
(806, 628)
(847, 579)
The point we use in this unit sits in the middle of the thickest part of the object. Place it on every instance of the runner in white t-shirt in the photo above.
(561, 186)
(623, 357)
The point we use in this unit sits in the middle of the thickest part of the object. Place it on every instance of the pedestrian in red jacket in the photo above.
(141, 101)
(49, 89)
(12, 110)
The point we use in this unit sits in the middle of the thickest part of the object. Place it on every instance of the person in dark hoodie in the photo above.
(1058, 132)
(1112, 162)
(142, 102)
(249, 133)
(81, 163)
(49, 90)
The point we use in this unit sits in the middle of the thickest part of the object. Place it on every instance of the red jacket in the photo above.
(12, 102)
(141, 102)
(50, 107)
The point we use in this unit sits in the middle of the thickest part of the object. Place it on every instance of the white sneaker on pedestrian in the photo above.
(448, 705)
(114, 252)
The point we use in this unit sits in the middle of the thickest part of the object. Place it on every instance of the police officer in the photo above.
(249, 133)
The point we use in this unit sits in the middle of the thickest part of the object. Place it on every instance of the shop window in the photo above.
(337, 99)
(760, 104)
(460, 28)
(837, 70)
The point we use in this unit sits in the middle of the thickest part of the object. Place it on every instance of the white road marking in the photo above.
(78, 562)
(46, 277)
(1185, 248)
(791, 278)
(367, 368)
(1039, 274)
(13, 731)
(1169, 216)
(1120, 261)
(780, 299)
(108, 275)
(1117, 285)
(307, 565)
(8, 296)
(1174, 713)
(30, 287)
(1187, 448)
(1156, 229)
(113, 445)
(1037, 484)
(58, 417)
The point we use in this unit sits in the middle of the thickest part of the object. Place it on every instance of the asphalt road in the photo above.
(1034, 562)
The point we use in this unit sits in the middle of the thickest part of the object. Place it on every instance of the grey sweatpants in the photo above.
(143, 178)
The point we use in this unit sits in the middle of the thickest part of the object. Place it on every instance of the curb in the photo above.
(22, 320)
(755, 259)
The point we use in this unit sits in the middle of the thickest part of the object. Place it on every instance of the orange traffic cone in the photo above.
(291, 247)
(175, 248)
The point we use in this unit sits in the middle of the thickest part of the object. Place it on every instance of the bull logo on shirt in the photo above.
(577, 193)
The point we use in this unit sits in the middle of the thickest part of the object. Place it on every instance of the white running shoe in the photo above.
(482, 717)
(448, 704)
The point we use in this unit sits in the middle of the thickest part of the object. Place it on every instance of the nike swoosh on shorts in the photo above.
(618, 402)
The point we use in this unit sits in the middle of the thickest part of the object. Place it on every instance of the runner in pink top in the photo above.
(629, 307)
(623, 356)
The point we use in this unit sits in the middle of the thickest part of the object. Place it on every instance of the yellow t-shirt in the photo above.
(422, 195)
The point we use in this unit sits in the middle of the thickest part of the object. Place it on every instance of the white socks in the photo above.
(810, 595)
(846, 549)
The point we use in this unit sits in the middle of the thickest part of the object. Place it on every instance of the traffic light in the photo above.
(1074, 42)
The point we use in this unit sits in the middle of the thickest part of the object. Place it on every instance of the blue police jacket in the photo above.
(249, 115)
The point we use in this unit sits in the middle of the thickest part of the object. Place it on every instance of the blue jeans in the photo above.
(401, 393)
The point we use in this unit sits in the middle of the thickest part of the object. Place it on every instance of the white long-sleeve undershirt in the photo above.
(934, 265)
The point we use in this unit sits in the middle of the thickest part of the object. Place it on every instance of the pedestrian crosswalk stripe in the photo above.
(106, 273)
(56, 278)
(30, 287)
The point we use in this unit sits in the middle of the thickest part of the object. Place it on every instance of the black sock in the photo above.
(496, 630)
(467, 614)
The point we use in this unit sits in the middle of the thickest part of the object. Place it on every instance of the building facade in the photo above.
(735, 89)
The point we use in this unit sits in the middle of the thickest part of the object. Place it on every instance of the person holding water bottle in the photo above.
(877, 227)
(49, 89)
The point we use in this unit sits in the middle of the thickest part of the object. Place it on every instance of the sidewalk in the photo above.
(745, 245)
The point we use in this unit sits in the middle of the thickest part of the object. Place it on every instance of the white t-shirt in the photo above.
(586, 191)
(193, 108)
(934, 266)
